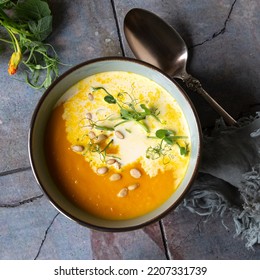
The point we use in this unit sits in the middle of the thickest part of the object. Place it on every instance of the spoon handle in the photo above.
(195, 85)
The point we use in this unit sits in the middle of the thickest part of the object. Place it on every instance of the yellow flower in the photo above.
(14, 62)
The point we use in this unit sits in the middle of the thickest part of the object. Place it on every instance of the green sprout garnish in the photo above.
(100, 127)
(128, 110)
(160, 150)
(168, 138)
(95, 148)
(131, 110)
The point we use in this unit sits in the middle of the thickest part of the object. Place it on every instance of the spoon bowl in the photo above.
(152, 40)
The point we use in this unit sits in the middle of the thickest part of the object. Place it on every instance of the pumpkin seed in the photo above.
(133, 187)
(77, 148)
(89, 116)
(117, 165)
(92, 135)
(119, 135)
(102, 170)
(115, 177)
(90, 97)
(135, 173)
(111, 161)
(123, 192)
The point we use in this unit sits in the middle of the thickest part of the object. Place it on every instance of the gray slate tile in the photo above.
(32, 228)
(140, 244)
(189, 237)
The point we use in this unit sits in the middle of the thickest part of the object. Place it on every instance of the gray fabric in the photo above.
(229, 179)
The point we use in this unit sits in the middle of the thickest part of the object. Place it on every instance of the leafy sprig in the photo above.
(160, 150)
(28, 23)
(94, 124)
(102, 152)
(168, 138)
(129, 110)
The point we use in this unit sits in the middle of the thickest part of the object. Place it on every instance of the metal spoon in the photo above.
(154, 41)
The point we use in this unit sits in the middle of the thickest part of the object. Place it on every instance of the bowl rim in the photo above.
(70, 215)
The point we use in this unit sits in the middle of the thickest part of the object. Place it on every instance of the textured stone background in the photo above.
(223, 40)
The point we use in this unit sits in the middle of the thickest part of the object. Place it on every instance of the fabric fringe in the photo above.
(210, 202)
(208, 199)
(206, 202)
(247, 222)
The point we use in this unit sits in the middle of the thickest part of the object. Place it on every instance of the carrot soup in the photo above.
(117, 145)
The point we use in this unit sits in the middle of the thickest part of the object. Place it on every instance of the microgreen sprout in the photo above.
(96, 148)
(129, 110)
(168, 138)
(162, 149)
(93, 124)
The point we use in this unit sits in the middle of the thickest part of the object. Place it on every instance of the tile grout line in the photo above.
(12, 171)
(118, 28)
(164, 239)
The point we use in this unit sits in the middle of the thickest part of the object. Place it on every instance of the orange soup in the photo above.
(117, 145)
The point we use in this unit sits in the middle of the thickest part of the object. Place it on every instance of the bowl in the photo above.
(42, 114)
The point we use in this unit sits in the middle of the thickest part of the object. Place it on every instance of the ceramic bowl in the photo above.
(42, 114)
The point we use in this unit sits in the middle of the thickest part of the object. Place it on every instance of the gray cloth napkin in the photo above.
(229, 178)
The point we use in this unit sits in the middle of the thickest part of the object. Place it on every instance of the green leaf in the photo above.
(48, 79)
(146, 110)
(126, 115)
(110, 99)
(169, 140)
(4, 2)
(183, 151)
(32, 9)
(162, 133)
(42, 28)
(28, 23)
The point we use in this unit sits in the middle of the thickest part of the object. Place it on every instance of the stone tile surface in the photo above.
(191, 237)
(140, 244)
(31, 228)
